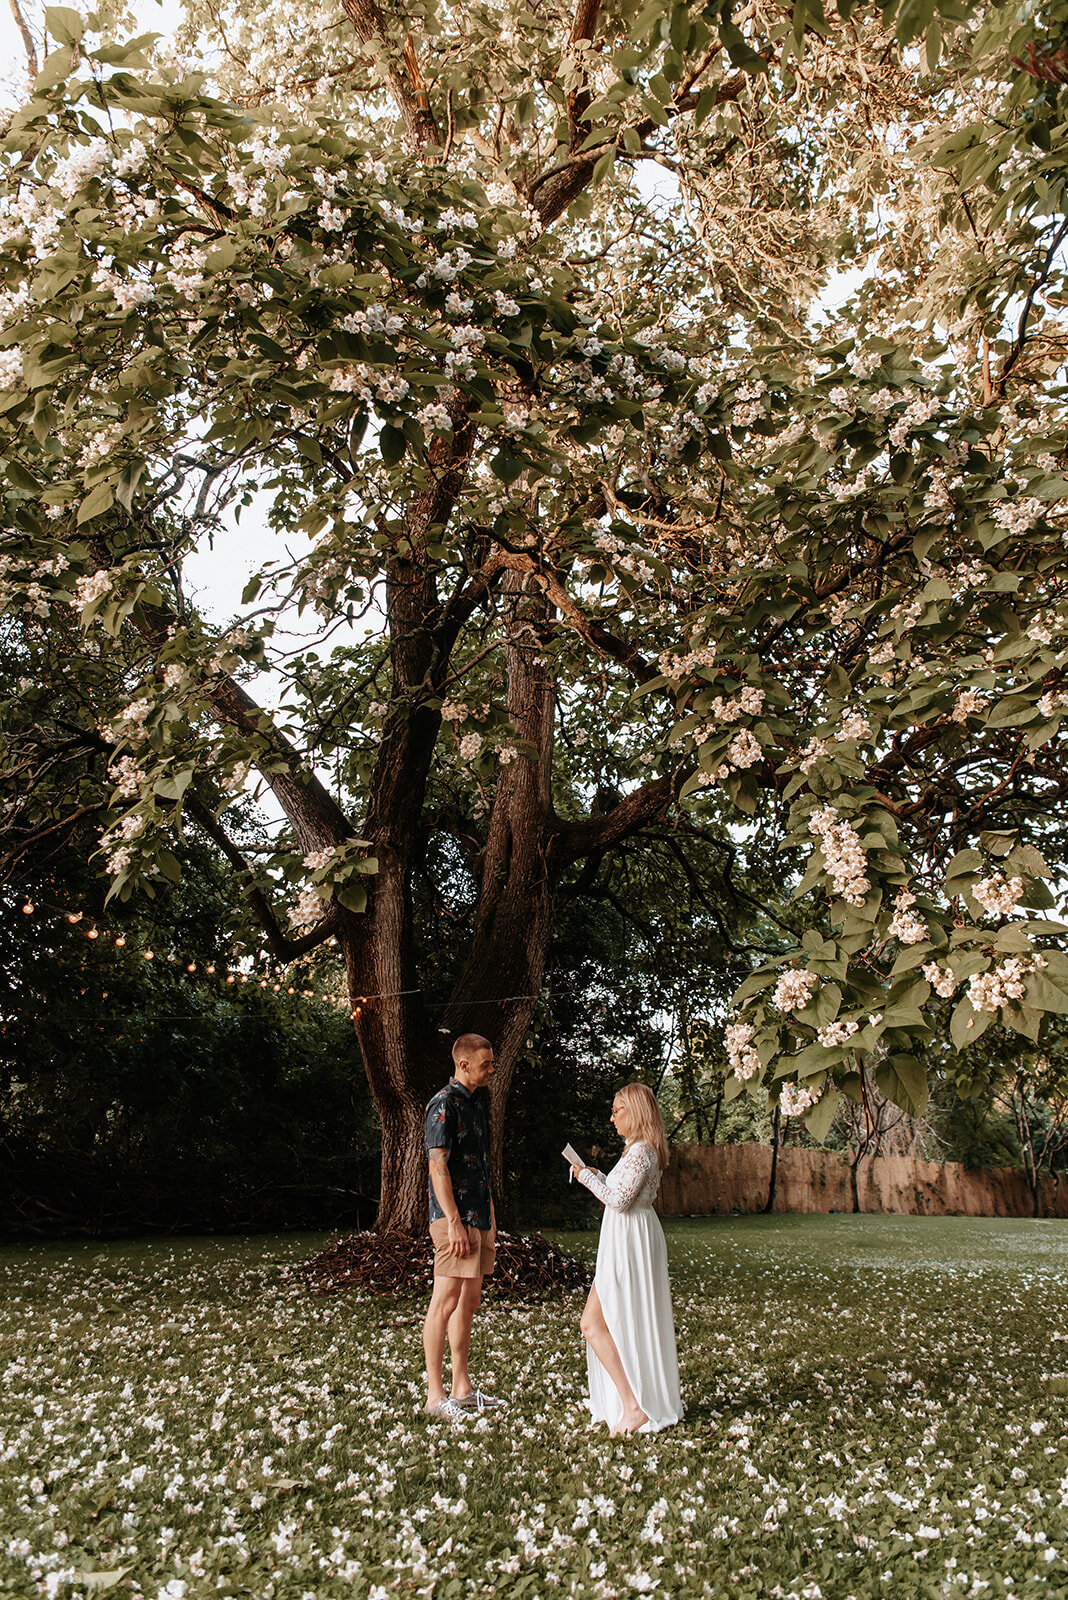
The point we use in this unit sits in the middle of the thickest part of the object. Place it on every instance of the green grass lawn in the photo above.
(875, 1406)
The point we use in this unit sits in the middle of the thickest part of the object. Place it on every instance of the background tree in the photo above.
(392, 285)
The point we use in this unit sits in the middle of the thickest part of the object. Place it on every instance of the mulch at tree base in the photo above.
(397, 1263)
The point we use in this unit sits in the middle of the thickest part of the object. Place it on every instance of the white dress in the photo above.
(632, 1285)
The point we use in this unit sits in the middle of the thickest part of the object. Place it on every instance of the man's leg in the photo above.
(460, 1336)
(443, 1304)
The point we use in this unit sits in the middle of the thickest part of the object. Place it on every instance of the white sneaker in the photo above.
(477, 1401)
(446, 1410)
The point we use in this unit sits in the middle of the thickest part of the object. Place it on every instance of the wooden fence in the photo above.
(709, 1180)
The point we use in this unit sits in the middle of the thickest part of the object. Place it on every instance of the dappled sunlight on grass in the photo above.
(875, 1407)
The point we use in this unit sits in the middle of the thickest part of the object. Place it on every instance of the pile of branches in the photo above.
(398, 1263)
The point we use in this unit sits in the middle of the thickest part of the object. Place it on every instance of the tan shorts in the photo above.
(477, 1263)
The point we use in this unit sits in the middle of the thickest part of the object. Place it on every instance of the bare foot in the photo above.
(633, 1420)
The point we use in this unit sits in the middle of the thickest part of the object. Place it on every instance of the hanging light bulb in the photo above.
(120, 940)
(149, 955)
(28, 909)
(92, 933)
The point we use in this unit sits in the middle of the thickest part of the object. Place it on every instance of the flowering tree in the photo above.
(559, 446)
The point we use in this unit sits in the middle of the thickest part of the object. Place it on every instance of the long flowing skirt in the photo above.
(632, 1284)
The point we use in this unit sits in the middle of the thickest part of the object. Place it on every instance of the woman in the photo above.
(627, 1323)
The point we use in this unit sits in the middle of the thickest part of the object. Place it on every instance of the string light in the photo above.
(209, 969)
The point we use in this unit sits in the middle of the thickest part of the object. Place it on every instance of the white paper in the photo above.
(569, 1153)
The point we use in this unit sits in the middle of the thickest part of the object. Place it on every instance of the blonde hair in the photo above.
(647, 1125)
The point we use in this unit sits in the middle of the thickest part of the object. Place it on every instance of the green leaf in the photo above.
(391, 444)
(56, 69)
(963, 864)
(64, 24)
(1045, 995)
(903, 1080)
(168, 865)
(353, 897)
(507, 468)
(819, 1119)
(966, 1024)
(96, 502)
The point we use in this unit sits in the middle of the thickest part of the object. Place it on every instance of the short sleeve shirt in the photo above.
(456, 1121)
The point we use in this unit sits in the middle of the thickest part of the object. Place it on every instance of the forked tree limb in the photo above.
(407, 85)
(285, 948)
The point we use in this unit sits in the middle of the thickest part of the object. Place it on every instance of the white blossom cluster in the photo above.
(862, 363)
(678, 667)
(746, 408)
(744, 750)
(315, 860)
(905, 925)
(941, 979)
(374, 319)
(915, 414)
(990, 991)
(128, 777)
(118, 844)
(129, 725)
(854, 727)
(10, 368)
(843, 855)
(93, 586)
(814, 750)
(1017, 516)
(352, 379)
(100, 445)
(132, 159)
(795, 1101)
(126, 292)
(998, 895)
(1041, 629)
(741, 1054)
(85, 162)
(794, 989)
(969, 703)
(750, 702)
(470, 745)
(837, 1033)
(307, 912)
(454, 711)
(447, 268)
(434, 418)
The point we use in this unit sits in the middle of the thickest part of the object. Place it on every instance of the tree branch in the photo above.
(27, 37)
(644, 805)
(281, 945)
(1021, 329)
(408, 87)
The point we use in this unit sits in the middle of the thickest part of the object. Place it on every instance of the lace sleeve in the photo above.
(628, 1178)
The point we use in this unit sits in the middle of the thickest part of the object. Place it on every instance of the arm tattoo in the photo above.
(439, 1156)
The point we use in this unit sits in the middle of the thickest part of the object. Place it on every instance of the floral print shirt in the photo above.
(456, 1121)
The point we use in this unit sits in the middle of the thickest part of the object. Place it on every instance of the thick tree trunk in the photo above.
(501, 980)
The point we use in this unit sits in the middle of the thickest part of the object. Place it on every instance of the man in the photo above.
(462, 1224)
